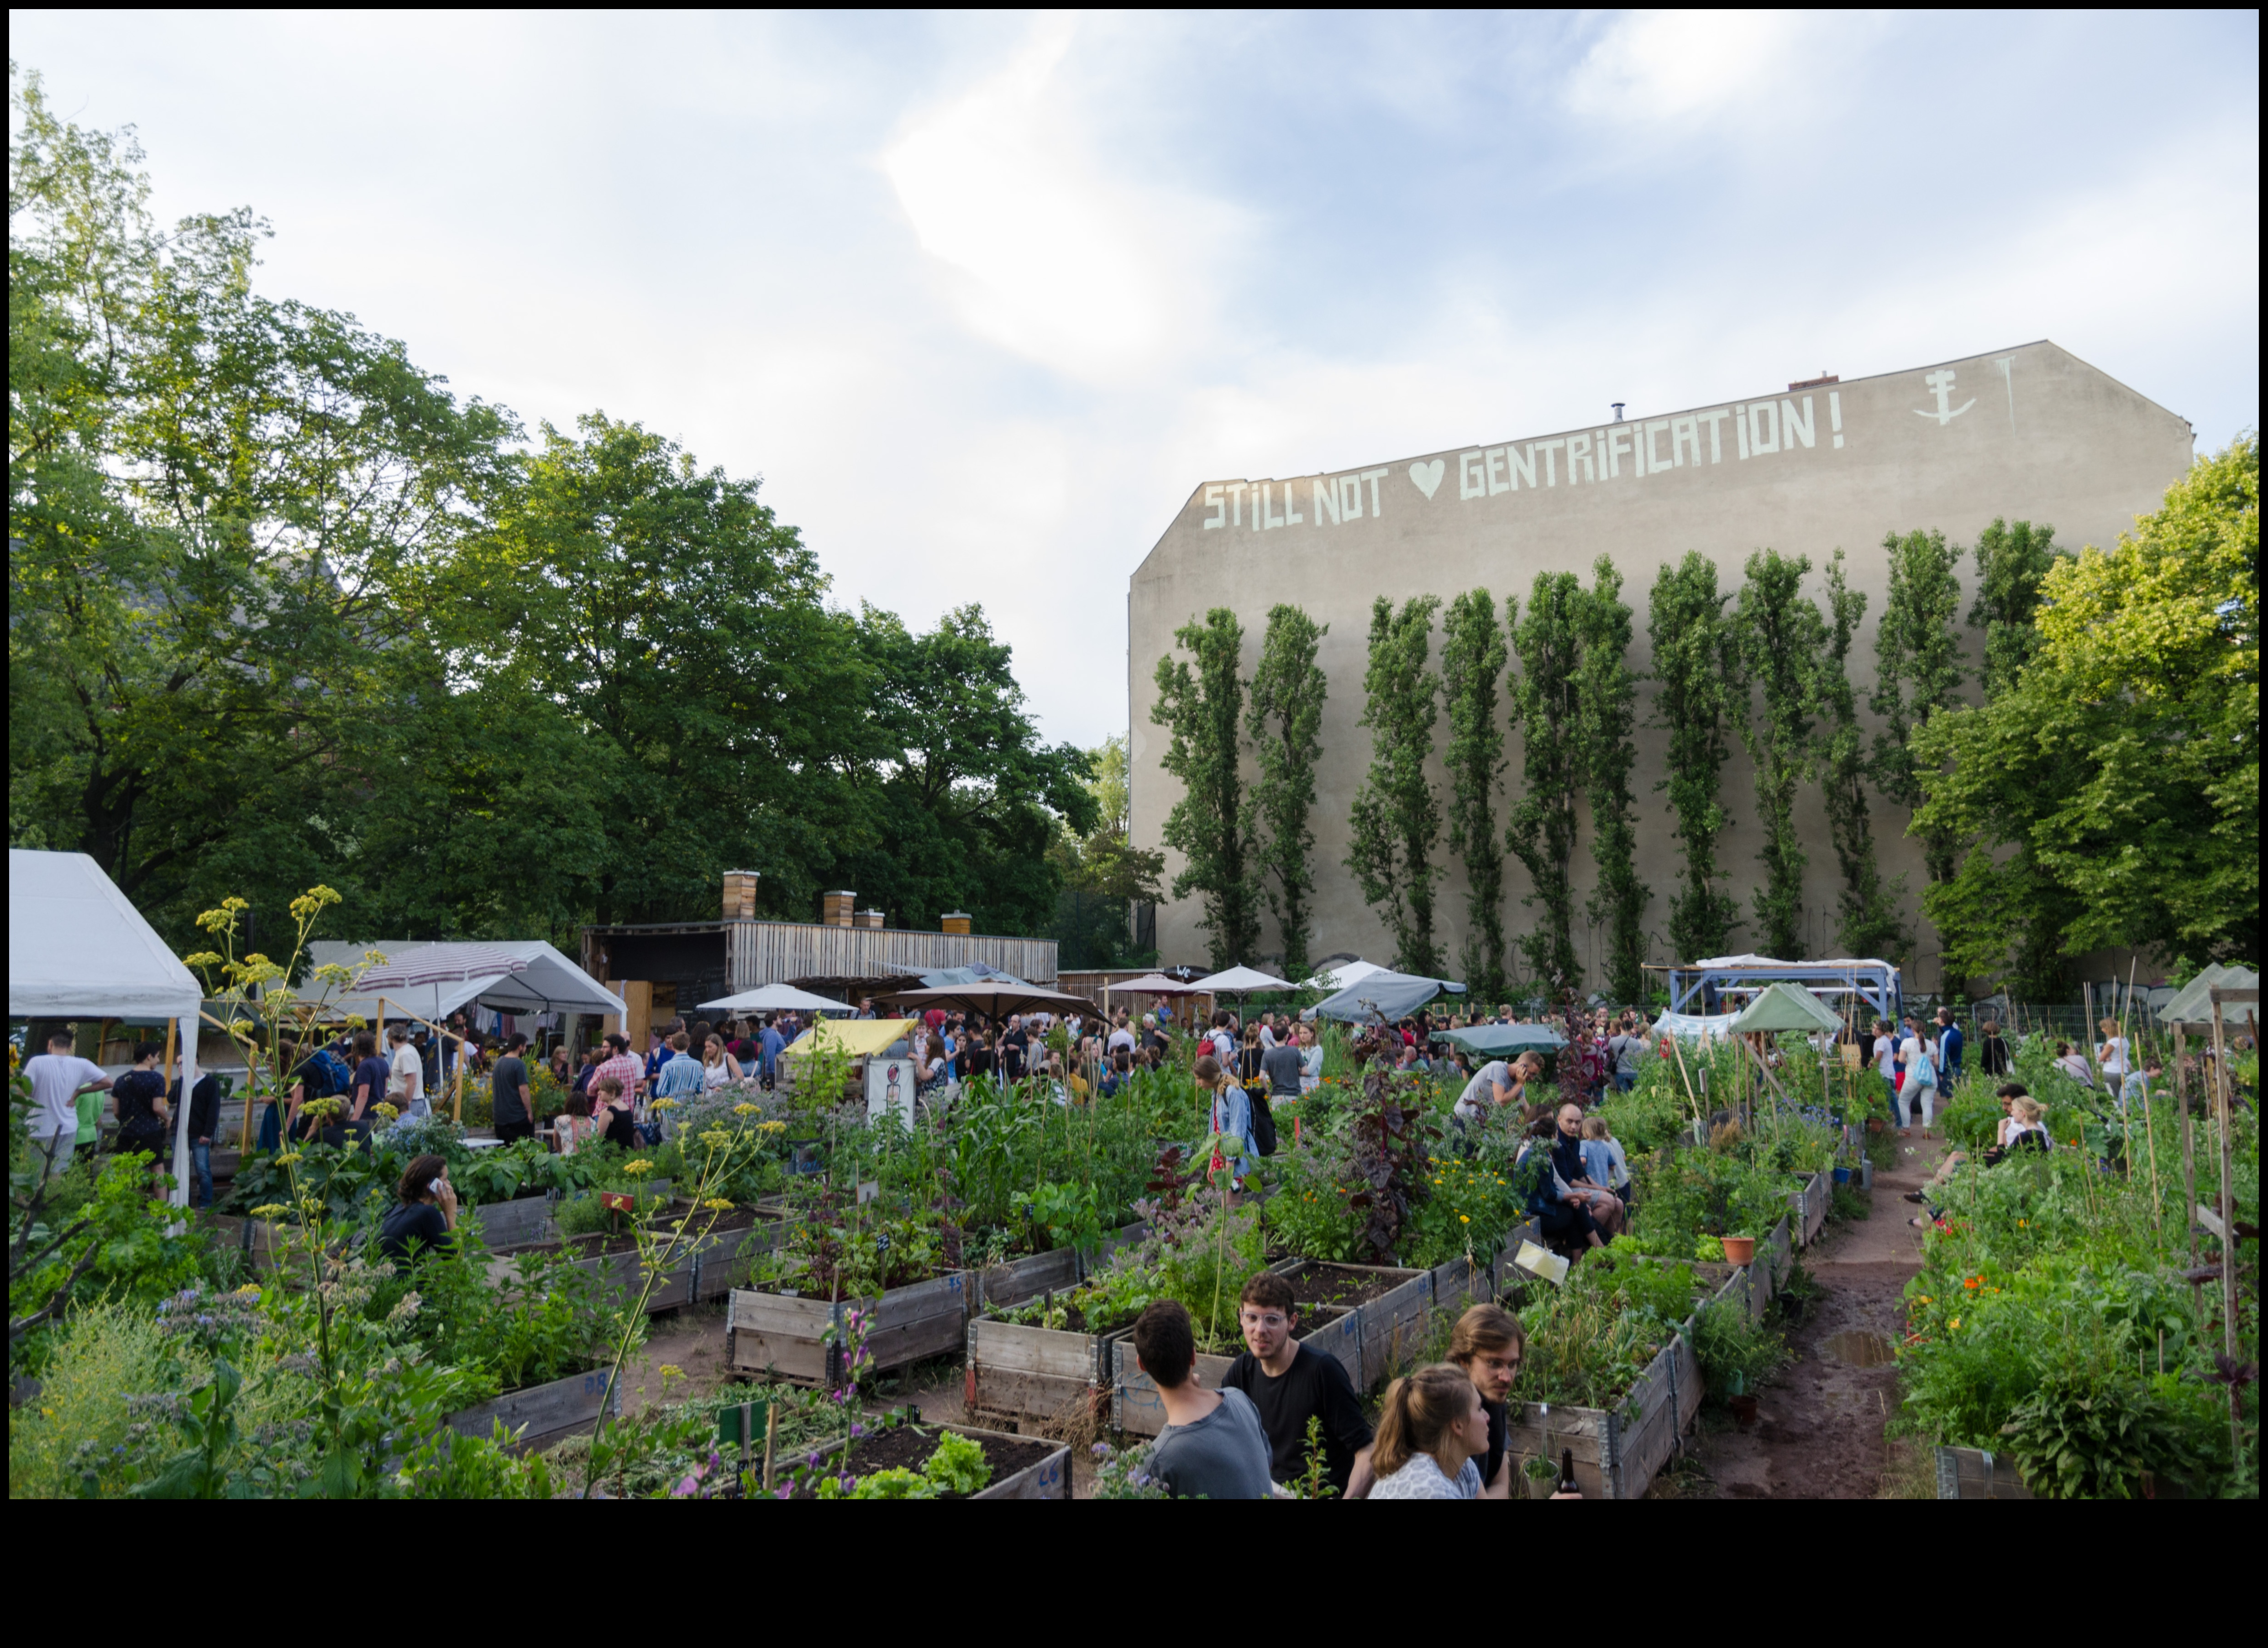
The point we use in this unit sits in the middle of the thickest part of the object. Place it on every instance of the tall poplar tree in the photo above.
(1781, 637)
(1917, 673)
(1210, 826)
(1473, 658)
(1543, 826)
(1397, 816)
(1285, 720)
(1696, 671)
(1870, 925)
(1606, 712)
(2012, 563)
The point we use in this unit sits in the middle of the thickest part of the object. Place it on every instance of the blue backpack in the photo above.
(328, 1072)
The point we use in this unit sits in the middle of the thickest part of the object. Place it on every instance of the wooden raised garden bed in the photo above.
(514, 1224)
(537, 1411)
(1135, 1407)
(1025, 1375)
(1386, 1308)
(782, 1334)
(724, 1258)
(1618, 1451)
(1002, 1286)
(1807, 1206)
(1023, 1467)
(1968, 1473)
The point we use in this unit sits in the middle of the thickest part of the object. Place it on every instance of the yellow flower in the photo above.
(664, 1104)
(1466, 1218)
(288, 1159)
(744, 1109)
(637, 1169)
(269, 1210)
(1955, 1322)
(718, 1204)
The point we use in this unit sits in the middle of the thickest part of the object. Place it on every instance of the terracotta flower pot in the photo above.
(1875, 1124)
(1744, 1411)
(1740, 1249)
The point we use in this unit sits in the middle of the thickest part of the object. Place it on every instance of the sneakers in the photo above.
(1916, 1197)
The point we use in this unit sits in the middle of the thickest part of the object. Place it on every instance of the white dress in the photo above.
(1421, 1478)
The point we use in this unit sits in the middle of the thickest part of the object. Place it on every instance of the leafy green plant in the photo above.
(958, 1465)
(1736, 1355)
(2079, 1438)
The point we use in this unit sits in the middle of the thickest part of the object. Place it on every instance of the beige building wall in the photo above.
(2027, 433)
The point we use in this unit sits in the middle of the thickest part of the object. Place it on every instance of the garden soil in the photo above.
(1820, 1425)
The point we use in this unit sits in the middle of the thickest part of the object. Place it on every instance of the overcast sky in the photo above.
(982, 297)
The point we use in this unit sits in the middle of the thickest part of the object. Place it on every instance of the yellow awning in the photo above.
(859, 1036)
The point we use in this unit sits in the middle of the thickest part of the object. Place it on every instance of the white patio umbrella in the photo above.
(776, 998)
(1242, 981)
(1154, 984)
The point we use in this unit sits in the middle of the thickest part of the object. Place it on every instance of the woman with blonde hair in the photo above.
(2110, 1054)
(1429, 1433)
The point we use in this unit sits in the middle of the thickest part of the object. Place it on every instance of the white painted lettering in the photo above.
(1327, 501)
(1291, 516)
(1793, 428)
(1716, 437)
(1236, 513)
(1649, 459)
(1523, 465)
(1551, 451)
(1740, 428)
(1758, 415)
(1578, 451)
(1614, 446)
(1268, 506)
(1219, 516)
(1469, 476)
(1497, 481)
(1684, 435)
(1835, 415)
(1351, 496)
(1373, 476)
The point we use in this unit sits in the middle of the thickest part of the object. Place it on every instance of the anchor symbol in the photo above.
(1942, 382)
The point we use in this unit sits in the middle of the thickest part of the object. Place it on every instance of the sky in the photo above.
(981, 298)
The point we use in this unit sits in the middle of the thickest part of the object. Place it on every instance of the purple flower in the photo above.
(857, 1429)
(814, 1461)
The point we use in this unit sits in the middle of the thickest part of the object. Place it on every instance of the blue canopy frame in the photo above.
(1875, 983)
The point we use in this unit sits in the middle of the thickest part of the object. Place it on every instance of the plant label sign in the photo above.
(890, 1086)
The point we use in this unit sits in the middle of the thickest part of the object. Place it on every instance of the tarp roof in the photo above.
(1785, 1007)
(1840, 964)
(1494, 1040)
(1695, 1027)
(1393, 994)
(549, 983)
(859, 1037)
(78, 948)
(2192, 1004)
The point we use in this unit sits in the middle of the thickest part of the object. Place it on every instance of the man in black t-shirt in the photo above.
(1291, 1383)
(1013, 1046)
(513, 1101)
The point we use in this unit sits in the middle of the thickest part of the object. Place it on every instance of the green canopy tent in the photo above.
(1787, 1007)
(1495, 1040)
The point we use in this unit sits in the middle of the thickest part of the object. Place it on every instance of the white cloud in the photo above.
(1661, 66)
(1054, 259)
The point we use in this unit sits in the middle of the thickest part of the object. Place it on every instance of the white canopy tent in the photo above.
(1345, 975)
(1242, 981)
(78, 949)
(542, 980)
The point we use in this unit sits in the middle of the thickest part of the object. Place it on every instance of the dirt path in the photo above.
(1819, 1434)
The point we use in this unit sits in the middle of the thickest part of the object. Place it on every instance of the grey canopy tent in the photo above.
(1785, 1007)
(78, 949)
(1383, 994)
(1494, 1040)
(2192, 1004)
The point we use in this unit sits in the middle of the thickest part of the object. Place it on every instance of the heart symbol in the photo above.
(1427, 475)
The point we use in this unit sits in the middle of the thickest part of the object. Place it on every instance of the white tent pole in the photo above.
(189, 1067)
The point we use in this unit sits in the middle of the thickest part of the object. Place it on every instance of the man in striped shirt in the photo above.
(622, 1066)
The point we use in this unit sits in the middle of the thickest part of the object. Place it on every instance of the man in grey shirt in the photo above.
(1212, 1446)
(1281, 1065)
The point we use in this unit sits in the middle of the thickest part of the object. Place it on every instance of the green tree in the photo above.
(1397, 816)
(1210, 826)
(215, 504)
(2012, 563)
(1606, 700)
(1285, 721)
(2112, 796)
(1869, 923)
(1918, 672)
(1697, 676)
(1781, 637)
(1473, 658)
(1103, 873)
(1554, 767)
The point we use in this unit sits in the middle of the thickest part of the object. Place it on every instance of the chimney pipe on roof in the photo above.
(1618, 411)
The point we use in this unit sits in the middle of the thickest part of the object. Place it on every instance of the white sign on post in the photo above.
(890, 1086)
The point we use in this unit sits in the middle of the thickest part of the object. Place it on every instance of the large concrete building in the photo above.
(2029, 433)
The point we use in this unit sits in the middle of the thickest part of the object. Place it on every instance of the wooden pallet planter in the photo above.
(1968, 1473)
(537, 1411)
(1618, 1452)
(1807, 1206)
(1024, 1375)
(784, 1335)
(1135, 1406)
(1004, 1286)
(514, 1224)
(724, 1259)
(1381, 1326)
(1048, 1477)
